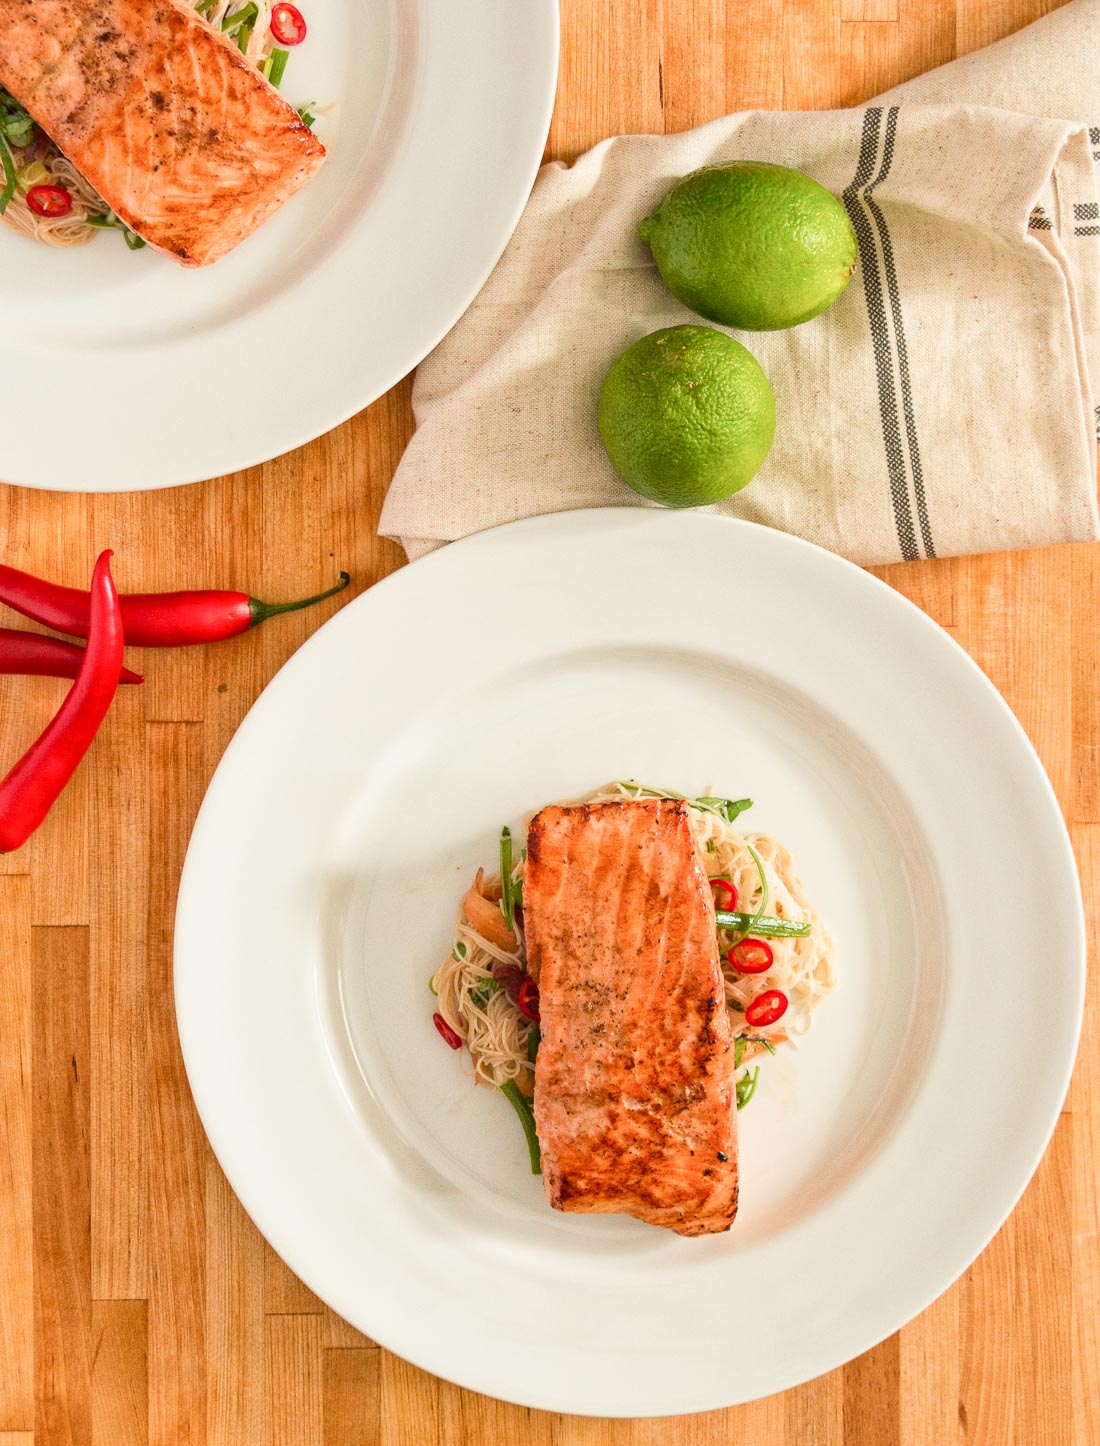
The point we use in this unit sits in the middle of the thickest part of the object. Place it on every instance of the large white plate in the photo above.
(134, 373)
(531, 663)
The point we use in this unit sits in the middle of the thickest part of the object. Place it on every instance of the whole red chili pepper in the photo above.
(29, 791)
(149, 619)
(34, 654)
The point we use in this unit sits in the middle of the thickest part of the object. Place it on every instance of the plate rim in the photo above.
(944, 1277)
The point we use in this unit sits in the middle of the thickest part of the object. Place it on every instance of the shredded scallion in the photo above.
(728, 808)
(764, 926)
(511, 1092)
(507, 895)
(240, 17)
(759, 1039)
(746, 1088)
(9, 173)
(274, 66)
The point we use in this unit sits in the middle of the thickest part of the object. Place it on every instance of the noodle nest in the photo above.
(479, 1010)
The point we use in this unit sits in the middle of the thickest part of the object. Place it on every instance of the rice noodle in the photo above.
(479, 1010)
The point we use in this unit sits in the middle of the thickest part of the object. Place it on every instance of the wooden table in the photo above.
(137, 1301)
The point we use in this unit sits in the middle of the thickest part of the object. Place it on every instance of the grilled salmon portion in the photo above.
(635, 1104)
(181, 137)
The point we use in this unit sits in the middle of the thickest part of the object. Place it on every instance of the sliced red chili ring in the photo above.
(766, 1008)
(49, 201)
(527, 1000)
(730, 901)
(751, 956)
(288, 24)
(448, 1034)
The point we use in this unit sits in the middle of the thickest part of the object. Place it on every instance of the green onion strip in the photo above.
(746, 1088)
(274, 66)
(511, 1092)
(507, 890)
(8, 162)
(764, 926)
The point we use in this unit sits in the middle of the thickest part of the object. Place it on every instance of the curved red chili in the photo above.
(751, 956)
(766, 1008)
(49, 201)
(453, 1039)
(527, 1000)
(730, 901)
(34, 654)
(151, 619)
(29, 791)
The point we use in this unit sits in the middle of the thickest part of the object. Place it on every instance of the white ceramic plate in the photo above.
(532, 663)
(134, 373)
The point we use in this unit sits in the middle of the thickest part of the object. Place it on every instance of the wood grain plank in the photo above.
(981, 22)
(120, 1373)
(118, 1003)
(234, 1317)
(410, 1403)
(873, 56)
(352, 1397)
(1041, 1322)
(16, 1438)
(342, 1335)
(284, 1293)
(815, 1411)
(929, 1389)
(1084, 1115)
(177, 1208)
(736, 76)
(61, 1191)
(468, 1416)
(764, 1420)
(873, 10)
(1085, 665)
(933, 586)
(16, 1129)
(872, 1394)
(1026, 664)
(197, 550)
(294, 1380)
(606, 88)
(987, 1381)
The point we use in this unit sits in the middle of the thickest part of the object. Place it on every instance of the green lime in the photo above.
(687, 416)
(752, 245)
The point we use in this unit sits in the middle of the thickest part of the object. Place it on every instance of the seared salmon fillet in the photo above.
(180, 136)
(635, 1104)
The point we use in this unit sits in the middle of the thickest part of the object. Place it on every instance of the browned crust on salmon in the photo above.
(635, 1103)
(183, 138)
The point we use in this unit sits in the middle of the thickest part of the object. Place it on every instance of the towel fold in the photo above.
(943, 405)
